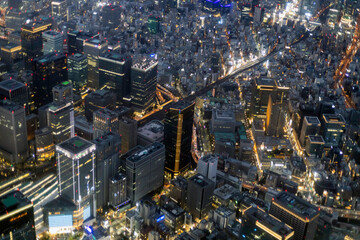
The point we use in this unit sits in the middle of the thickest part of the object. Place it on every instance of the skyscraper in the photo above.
(77, 39)
(276, 111)
(145, 171)
(13, 147)
(44, 144)
(128, 133)
(49, 71)
(332, 129)
(61, 121)
(297, 213)
(108, 149)
(63, 93)
(311, 126)
(114, 72)
(98, 100)
(111, 16)
(14, 91)
(105, 121)
(31, 40)
(143, 83)
(207, 166)
(76, 174)
(200, 190)
(59, 9)
(178, 125)
(78, 71)
(117, 190)
(261, 90)
(16, 217)
(12, 56)
(93, 48)
(52, 42)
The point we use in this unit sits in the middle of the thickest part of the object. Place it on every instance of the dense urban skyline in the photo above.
(179, 119)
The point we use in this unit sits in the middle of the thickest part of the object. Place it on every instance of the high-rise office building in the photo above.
(276, 111)
(77, 39)
(177, 137)
(117, 190)
(105, 121)
(128, 133)
(314, 146)
(178, 191)
(98, 100)
(78, 71)
(60, 119)
(59, 9)
(199, 193)
(44, 144)
(76, 174)
(93, 48)
(12, 56)
(332, 129)
(15, 18)
(262, 225)
(31, 40)
(16, 217)
(49, 71)
(13, 147)
(207, 166)
(108, 149)
(114, 72)
(145, 171)
(14, 91)
(63, 93)
(143, 83)
(52, 42)
(261, 90)
(297, 213)
(111, 16)
(311, 126)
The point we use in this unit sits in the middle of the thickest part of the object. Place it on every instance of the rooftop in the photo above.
(296, 205)
(224, 211)
(312, 120)
(105, 113)
(173, 208)
(265, 82)
(10, 106)
(334, 118)
(225, 192)
(49, 57)
(52, 33)
(224, 115)
(74, 146)
(144, 64)
(316, 139)
(153, 130)
(145, 152)
(209, 158)
(115, 56)
(200, 180)
(268, 223)
(118, 177)
(181, 105)
(77, 56)
(10, 85)
(12, 201)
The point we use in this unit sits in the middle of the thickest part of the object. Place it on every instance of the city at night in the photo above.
(179, 119)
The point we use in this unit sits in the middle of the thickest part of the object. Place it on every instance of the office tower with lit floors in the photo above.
(107, 163)
(261, 90)
(77, 71)
(105, 121)
(98, 100)
(117, 190)
(114, 72)
(16, 217)
(52, 42)
(76, 176)
(31, 40)
(145, 171)
(178, 125)
(143, 84)
(12, 56)
(15, 92)
(44, 144)
(199, 193)
(93, 49)
(13, 147)
(297, 213)
(332, 129)
(59, 9)
(49, 71)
